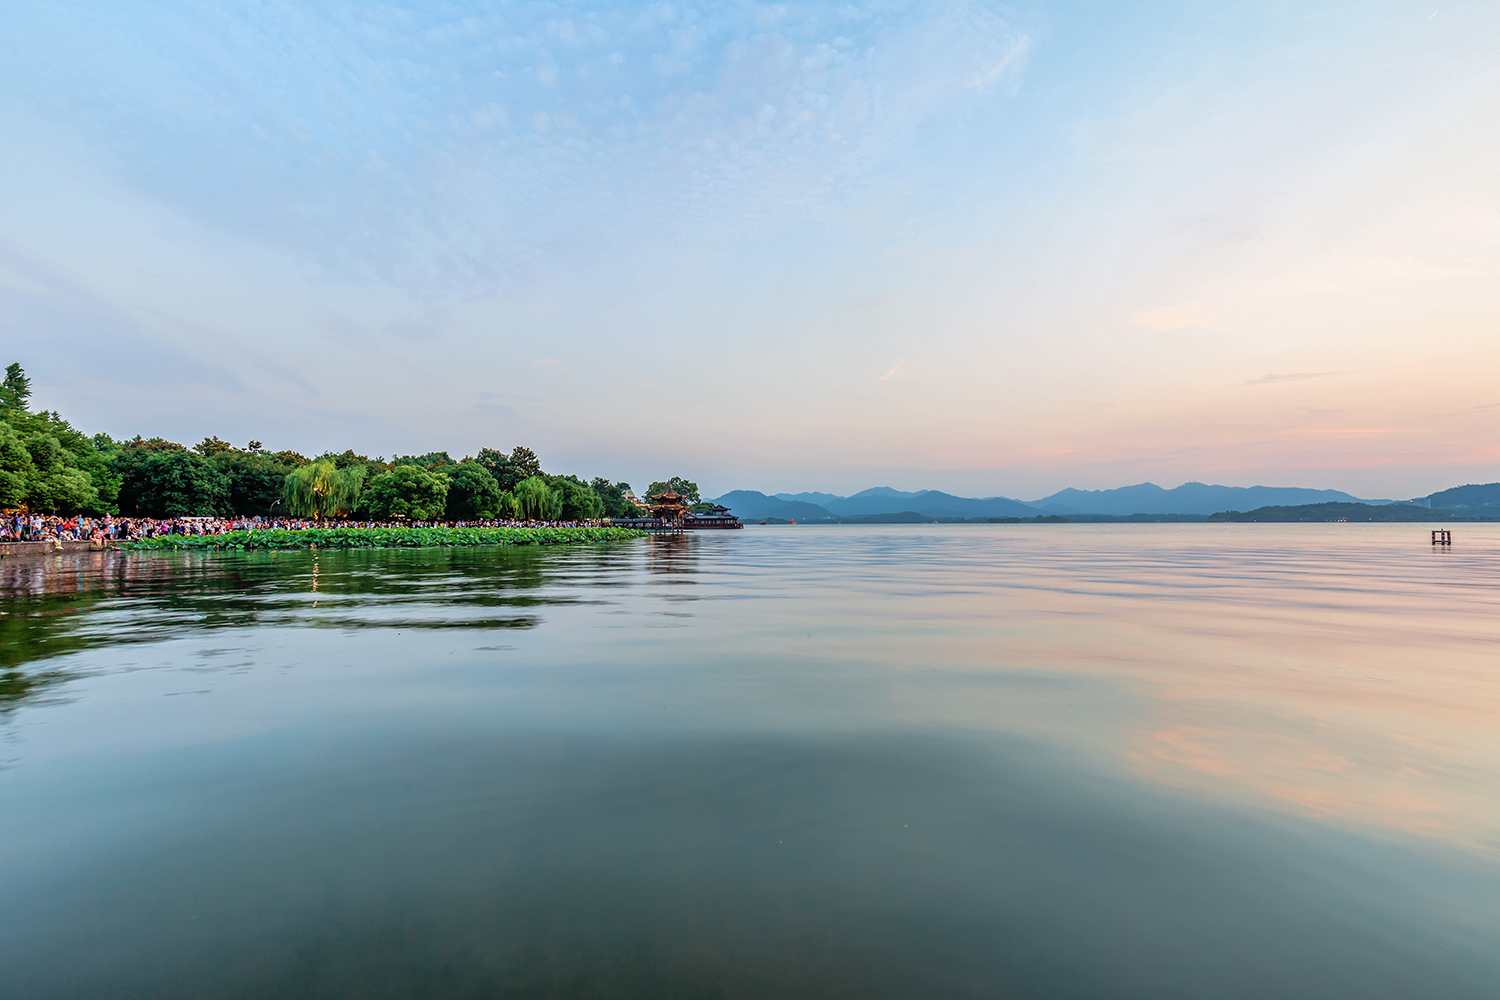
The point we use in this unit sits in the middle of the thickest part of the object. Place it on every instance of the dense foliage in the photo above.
(45, 464)
(407, 492)
(48, 467)
(321, 489)
(382, 538)
(682, 487)
(474, 495)
(535, 500)
(165, 479)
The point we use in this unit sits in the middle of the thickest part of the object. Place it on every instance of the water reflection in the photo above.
(673, 555)
(71, 603)
(1337, 675)
(912, 761)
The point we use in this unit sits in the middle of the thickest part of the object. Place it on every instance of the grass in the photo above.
(379, 538)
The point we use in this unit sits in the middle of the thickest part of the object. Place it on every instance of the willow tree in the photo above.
(506, 507)
(321, 489)
(537, 501)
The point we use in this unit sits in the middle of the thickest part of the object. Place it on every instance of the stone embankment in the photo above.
(8, 549)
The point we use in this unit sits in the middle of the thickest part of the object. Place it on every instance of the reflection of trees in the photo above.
(82, 601)
(16, 686)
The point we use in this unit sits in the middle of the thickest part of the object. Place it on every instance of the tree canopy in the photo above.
(49, 467)
(45, 464)
(614, 498)
(687, 490)
(161, 479)
(15, 391)
(321, 489)
(576, 501)
(408, 493)
(473, 494)
(536, 501)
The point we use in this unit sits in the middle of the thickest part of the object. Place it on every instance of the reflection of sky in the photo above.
(1179, 760)
(998, 250)
(1343, 673)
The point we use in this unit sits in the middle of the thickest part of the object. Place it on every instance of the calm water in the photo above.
(910, 761)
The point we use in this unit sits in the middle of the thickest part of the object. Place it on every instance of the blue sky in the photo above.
(984, 248)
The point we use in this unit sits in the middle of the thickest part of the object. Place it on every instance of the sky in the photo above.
(989, 249)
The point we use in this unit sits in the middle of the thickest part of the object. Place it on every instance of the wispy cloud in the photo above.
(1352, 431)
(894, 372)
(493, 140)
(1292, 377)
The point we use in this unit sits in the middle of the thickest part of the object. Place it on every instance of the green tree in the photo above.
(17, 470)
(348, 459)
(509, 470)
(46, 451)
(14, 455)
(535, 500)
(407, 492)
(525, 462)
(321, 489)
(64, 490)
(473, 493)
(162, 479)
(613, 496)
(15, 391)
(66, 474)
(578, 500)
(45, 464)
(433, 461)
(497, 464)
(211, 446)
(257, 482)
(13, 490)
(687, 490)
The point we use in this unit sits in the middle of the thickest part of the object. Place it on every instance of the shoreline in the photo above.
(47, 547)
(375, 538)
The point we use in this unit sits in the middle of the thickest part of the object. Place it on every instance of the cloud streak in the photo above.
(441, 149)
(1292, 377)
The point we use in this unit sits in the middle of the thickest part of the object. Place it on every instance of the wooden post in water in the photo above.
(1442, 536)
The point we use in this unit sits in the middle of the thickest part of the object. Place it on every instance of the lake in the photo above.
(878, 761)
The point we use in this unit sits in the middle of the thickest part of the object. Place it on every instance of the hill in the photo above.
(927, 503)
(750, 505)
(1357, 512)
(1189, 498)
(1460, 497)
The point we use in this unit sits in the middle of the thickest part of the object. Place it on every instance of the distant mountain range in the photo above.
(930, 503)
(1145, 498)
(1189, 498)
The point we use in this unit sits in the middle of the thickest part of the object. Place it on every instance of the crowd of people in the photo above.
(102, 530)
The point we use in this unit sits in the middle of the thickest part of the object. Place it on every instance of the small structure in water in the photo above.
(670, 512)
(718, 517)
(1442, 536)
(669, 505)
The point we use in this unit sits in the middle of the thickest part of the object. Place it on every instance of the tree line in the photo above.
(49, 467)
